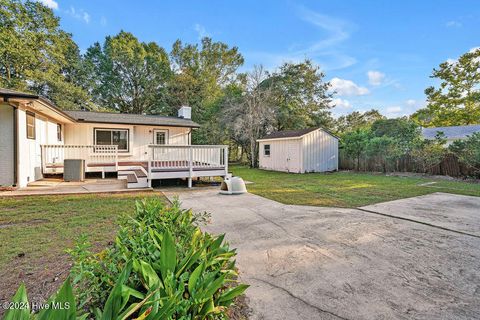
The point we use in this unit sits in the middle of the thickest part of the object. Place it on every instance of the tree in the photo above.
(128, 75)
(384, 150)
(457, 99)
(403, 130)
(355, 144)
(249, 114)
(429, 153)
(37, 56)
(301, 96)
(468, 151)
(201, 75)
(357, 120)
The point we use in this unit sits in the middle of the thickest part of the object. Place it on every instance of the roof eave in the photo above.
(196, 125)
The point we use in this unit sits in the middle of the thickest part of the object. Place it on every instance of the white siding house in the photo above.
(36, 137)
(299, 151)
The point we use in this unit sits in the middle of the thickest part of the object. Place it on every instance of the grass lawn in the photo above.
(343, 189)
(36, 230)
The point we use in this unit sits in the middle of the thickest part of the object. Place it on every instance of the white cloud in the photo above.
(394, 109)
(375, 78)
(324, 51)
(202, 32)
(86, 17)
(347, 87)
(453, 24)
(341, 103)
(79, 14)
(52, 4)
(411, 102)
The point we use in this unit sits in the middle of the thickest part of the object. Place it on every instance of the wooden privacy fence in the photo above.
(449, 166)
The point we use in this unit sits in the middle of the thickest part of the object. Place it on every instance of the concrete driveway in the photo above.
(330, 263)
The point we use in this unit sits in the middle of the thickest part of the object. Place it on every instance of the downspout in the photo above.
(15, 142)
(15, 146)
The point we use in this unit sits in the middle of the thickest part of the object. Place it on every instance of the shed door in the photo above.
(7, 143)
(293, 156)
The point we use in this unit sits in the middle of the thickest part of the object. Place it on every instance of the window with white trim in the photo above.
(30, 118)
(266, 150)
(59, 132)
(108, 137)
(160, 137)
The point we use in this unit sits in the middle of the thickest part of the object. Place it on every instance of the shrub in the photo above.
(172, 259)
(468, 151)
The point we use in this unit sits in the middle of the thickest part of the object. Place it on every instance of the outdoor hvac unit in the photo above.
(74, 170)
(233, 185)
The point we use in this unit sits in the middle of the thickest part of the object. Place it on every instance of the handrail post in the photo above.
(190, 167)
(225, 161)
(149, 169)
(43, 159)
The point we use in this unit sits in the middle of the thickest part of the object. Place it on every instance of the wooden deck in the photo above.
(162, 161)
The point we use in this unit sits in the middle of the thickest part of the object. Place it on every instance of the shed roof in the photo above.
(291, 134)
(453, 132)
(134, 119)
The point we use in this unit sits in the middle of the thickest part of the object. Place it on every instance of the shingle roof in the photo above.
(288, 134)
(13, 93)
(124, 118)
(455, 132)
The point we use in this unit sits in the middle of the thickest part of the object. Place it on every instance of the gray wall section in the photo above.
(7, 142)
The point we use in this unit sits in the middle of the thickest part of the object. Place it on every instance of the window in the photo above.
(266, 150)
(30, 125)
(59, 132)
(160, 136)
(118, 137)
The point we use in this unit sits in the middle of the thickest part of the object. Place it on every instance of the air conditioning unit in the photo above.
(74, 170)
(185, 112)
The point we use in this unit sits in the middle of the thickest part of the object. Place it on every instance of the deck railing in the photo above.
(53, 156)
(191, 157)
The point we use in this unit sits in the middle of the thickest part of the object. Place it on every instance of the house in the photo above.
(36, 137)
(451, 133)
(299, 151)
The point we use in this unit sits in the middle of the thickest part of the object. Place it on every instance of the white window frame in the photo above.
(155, 135)
(59, 132)
(269, 150)
(111, 136)
(33, 126)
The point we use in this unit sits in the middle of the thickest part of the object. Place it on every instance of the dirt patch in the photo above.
(41, 279)
(240, 310)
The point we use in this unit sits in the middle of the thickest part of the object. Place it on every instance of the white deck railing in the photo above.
(191, 158)
(95, 156)
(180, 156)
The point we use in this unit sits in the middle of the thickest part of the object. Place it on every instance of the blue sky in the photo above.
(378, 54)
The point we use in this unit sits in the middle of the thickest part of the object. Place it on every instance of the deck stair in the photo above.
(136, 176)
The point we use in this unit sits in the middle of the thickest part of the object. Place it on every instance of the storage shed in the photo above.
(299, 151)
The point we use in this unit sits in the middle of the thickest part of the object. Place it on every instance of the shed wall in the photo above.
(285, 155)
(320, 152)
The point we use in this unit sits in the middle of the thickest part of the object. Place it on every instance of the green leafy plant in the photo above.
(174, 264)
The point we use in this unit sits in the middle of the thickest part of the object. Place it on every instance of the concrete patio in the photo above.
(58, 186)
(333, 263)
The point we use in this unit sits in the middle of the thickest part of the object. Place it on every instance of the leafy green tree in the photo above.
(127, 75)
(457, 99)
(384, 149)
(401, 129)
(429, 153)
(301, 95)
(468, 151)
(37, 56)
(201, 76)
(355, 143)
(357, 120)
